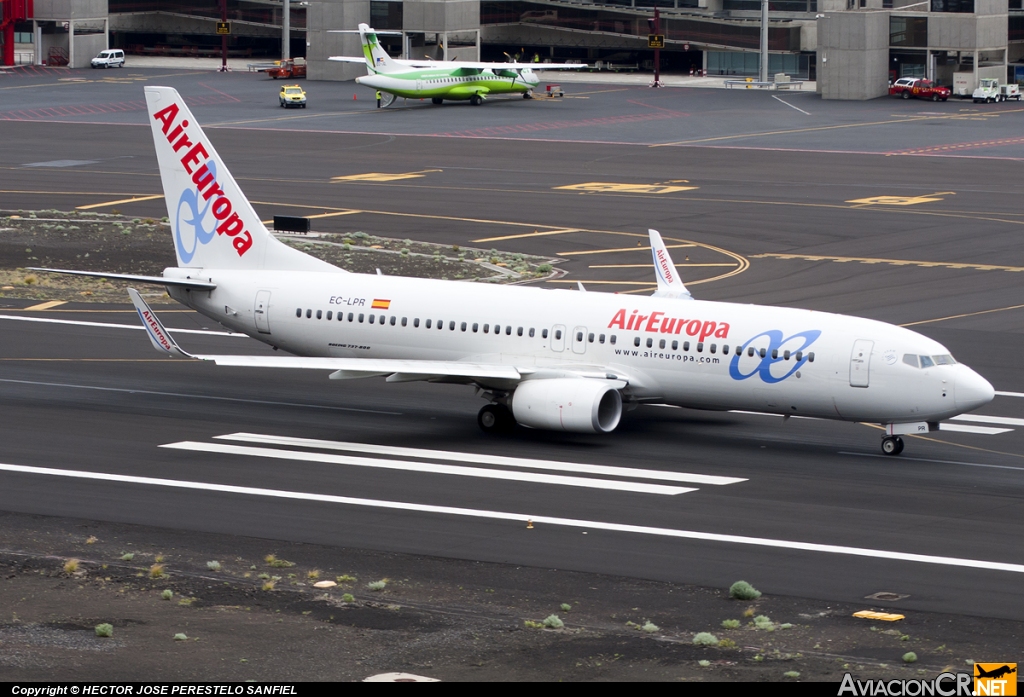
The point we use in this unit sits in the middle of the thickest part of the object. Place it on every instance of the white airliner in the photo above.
(549, 359)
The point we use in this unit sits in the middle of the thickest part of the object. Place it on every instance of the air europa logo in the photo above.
(658, 322)
(196, 161)
(765, 358)
(663, 265)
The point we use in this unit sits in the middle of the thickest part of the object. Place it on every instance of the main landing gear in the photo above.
(496, 418)
(892, 445)
(436, 100)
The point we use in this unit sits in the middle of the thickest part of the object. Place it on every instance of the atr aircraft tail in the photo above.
(377, 59)
(213, 224)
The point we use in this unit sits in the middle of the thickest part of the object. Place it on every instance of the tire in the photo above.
(436, 100)
(935, 97)
(475, 100)
(495, 418)
(905, 94)
(891, 445)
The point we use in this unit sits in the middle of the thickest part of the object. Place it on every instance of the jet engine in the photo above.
(580, 405)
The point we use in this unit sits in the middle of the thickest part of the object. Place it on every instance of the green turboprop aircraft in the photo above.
(441, 80)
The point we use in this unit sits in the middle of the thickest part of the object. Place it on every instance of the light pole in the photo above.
(286, 31)
(764, 41)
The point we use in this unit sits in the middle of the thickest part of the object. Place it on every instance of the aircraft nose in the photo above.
(972, 390)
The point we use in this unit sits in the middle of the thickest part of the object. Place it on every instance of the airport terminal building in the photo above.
(851, 48)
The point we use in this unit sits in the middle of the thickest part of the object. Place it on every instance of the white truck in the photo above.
(989, 90)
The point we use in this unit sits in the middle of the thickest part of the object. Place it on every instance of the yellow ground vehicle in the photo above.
(292, 95)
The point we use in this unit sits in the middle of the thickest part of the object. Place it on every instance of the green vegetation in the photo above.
(650, 627)
(741, 590)
(792, 674)
(377, 585)
(104, 630)
(565, 607)
(156, 571)
(127, 556)
(213, 565)
(180, 636)
(167, 594)
(909, 657)
(553, 622)
(705, 639)
(731, 624)
(348, 598)
(71, 566)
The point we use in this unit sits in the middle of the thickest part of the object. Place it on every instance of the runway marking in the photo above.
(214, 398)
(941, 462)
(46, 305)
(983, 430)
(902, 200)
(425, 467)
(981, 418)
(383, 176)
(965, 314)
(790, 105)
(115, 203)
(892, 262)
(625, 188)
(639, 248)
(524, 517)
(331, 215)
(959, 146)
(108, 325)
(455, 456)
(647, 266)
(535, 233)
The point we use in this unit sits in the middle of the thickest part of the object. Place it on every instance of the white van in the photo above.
(111, 58)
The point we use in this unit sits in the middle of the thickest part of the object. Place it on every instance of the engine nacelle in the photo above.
(580, 405)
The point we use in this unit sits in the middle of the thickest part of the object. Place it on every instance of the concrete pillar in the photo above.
(71, 43)
(478, 44)
(764, 41)
(286, 31)
(37, 48)
(106, 32)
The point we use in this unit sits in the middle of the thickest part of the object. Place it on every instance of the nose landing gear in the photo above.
(892, 445)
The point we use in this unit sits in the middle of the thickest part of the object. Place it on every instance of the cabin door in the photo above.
(860, 363)
(262, 311)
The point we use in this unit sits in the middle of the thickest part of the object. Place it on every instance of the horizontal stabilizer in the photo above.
(157, 280)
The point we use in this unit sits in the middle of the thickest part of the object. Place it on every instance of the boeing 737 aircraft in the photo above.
(441, 80)
(549, 359)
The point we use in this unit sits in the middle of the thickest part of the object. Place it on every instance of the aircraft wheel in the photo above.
(475, 100)
(527, 95)
(495, 418)
(436, 100)
(892, 445)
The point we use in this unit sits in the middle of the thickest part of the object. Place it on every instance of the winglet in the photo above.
(670, 285)
(161, 339)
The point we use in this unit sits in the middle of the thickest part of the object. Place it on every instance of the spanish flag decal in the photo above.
(380, 304)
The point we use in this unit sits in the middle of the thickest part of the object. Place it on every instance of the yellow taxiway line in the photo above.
(535, 233)
(892, 262)
(640, 248)
(965, 314)
(46, 305)
(114, 203)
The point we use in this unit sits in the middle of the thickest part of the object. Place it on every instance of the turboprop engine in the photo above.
(580, 405)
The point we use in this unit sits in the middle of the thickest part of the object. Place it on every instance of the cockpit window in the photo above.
(911, 360)
(927, 362)
(945, 359)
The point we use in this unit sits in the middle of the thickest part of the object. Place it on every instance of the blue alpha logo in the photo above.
(199, 234)
(764, 359)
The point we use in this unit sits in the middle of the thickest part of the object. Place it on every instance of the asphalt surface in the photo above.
(792, 216)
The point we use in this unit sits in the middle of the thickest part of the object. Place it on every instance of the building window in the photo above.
(953, 6)
(908, 31)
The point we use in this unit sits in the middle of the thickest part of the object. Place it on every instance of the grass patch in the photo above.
(278, 563)
(345, 578)
(764, 622)
(313, 574)
(741, 590)
(180, 636)
(167, 594)
(650, 627)
(565, 607)
(909, 657)
(531, 624)
(377, 585)
(269, 585)
(156, 571)
(731, 624)
(705, 639)
(553, 622)
(104, 630)
(92, 539)
(127, 556)
(726, 644)
(71, 566)
(213, 565)
(703, 663)
(792, 674)
(348, 598)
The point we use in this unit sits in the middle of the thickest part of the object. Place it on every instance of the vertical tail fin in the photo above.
(670, 285)
(377, 59)
(214, 225)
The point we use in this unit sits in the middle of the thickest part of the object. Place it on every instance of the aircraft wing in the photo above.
(490, 66)
(348, 59)
(396, 369)
(156, 280)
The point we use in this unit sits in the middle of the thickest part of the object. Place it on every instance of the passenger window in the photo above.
(785, 355)
(675, 345)
(725, 349)
(686, 345)
(485, 328)
(579, 337)
(810, 356)
(405, 321)
(463, 326)
(298, 312)
(590, 337)
(543, 333)
(636, 341)
(451, 325)
(351, 316)
(661, 344)
(309, 313)
(508, 330)
(360, 317)
(475, 326)
(531, 332)
(393, 320)
(713, 347)
(600, 339)
(612, 339)
(519, 332)
(372, 319)
(416, 322)
(700, 347)
(329, 314)
(428, 324)
(775, 353)
(750, 351)
(799, 355)
(650, 343)
(762, 353)
(927, 362)
(440, 324)
(558, 334)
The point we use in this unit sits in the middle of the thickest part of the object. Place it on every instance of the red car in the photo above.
(907, 87)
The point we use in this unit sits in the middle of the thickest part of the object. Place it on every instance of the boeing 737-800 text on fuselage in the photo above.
(549, 359)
